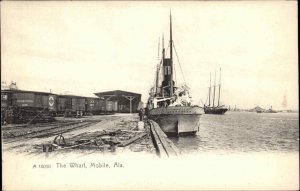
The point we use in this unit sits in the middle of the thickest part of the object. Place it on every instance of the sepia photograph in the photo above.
(149, 95)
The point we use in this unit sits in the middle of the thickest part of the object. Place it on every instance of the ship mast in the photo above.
(163, 47)
(214, 91)
(163, 58)
(157, 70)
(171, 56)
(219, 88)
(209, 89)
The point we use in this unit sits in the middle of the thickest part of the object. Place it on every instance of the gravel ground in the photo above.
(124, 124)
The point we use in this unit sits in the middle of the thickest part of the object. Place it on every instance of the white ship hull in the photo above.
(181, 120)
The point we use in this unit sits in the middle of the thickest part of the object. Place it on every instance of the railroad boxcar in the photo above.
(52, 100)
(5, 99)
(89, 106)
(94, 106)
(71, 105)
(5, 105)
(100, 104)
(20, 106)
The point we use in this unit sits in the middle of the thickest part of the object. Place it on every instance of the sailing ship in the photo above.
(219, 109)
(170, 105)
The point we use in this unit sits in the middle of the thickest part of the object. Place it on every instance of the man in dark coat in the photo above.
(141, 114)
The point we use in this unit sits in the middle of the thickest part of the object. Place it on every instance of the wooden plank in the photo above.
(169, 150)
(133, 139)
(157, 143)
(176, 150)
(164, 144)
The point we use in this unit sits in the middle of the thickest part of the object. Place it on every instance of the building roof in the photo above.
(117, 93)
(25, 91)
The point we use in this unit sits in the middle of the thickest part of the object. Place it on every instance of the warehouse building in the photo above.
(124, 102)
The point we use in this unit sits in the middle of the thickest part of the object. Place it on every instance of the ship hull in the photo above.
(272, 111)
(177, 121)
(216, 111)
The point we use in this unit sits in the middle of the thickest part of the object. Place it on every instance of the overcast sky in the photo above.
(87, 47)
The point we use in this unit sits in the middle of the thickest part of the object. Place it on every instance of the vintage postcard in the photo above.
(150, 95)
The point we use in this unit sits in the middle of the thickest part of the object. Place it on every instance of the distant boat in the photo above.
(257, 109)
(219, 109)
(270, 110)
(169, 105)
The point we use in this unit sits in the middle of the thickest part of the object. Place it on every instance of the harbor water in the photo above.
(243, 132)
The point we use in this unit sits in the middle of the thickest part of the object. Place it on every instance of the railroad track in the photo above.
(56, 130)
(19, 132)
(22, 126)
(163, 145)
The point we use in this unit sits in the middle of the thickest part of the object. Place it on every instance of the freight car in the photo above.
(20, 106)
(71, 105)
(94, 106)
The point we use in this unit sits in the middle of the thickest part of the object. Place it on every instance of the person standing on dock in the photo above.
(141, 114)
(141, 110)
(146, 112)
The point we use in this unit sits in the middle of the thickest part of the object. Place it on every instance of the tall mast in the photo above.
(214, 90)
(157, 69)
(163, 58)
(171, 56)
(158, 49)
(219, 88)
(209, 89)
(163, 47)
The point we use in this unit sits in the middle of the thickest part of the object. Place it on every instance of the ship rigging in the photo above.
(169, 105)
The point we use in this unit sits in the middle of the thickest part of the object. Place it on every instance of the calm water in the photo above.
(244, 132)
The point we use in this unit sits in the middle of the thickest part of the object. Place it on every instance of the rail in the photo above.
(47, 132)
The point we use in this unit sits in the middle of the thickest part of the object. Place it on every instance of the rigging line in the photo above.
(179, 63)
(168, 47)
(154, 80)
(206, 99)
(160, 71)
(200, 100)
(175, 74)
(158, 67)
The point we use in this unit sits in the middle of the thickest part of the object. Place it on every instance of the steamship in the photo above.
(170, 105)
